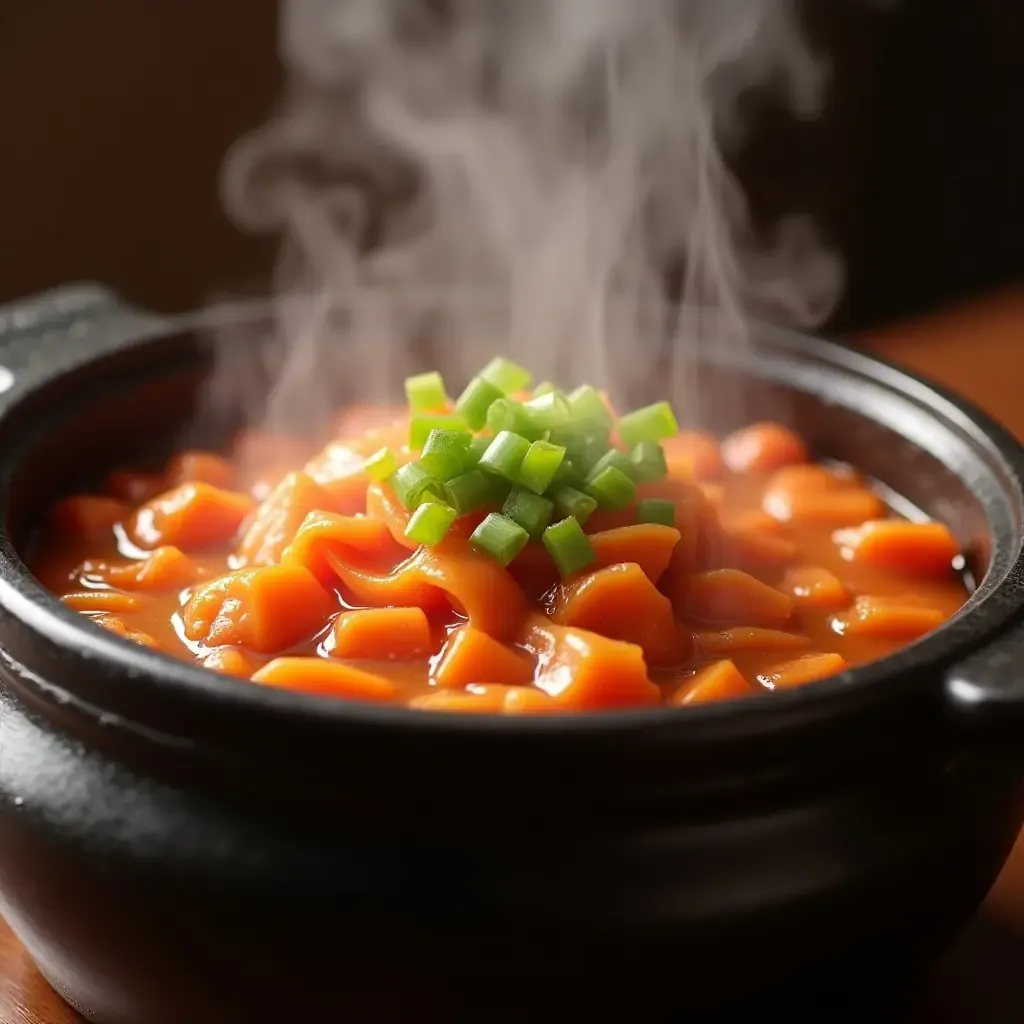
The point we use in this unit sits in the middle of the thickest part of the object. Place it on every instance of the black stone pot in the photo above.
(180, 847)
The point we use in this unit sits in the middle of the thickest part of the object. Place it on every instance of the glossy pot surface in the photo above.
(179, 847)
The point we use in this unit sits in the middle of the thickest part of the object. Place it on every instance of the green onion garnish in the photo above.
(569, 546)
(652, 423)
(571, 502)
(656, 510)
(420, 427)
(413, 485)
(532, 512)
(474, 402)
(506, 414)
(648, 460)
(468, 492)
(569, 475)
(540, 465)
(611, 487)
(506, 375)
(430, 523)
(426, 392)
(548, 411)
(613, 457)
(380, 465)
(588, 407)
(444, 453)
(500, 538)
(505, 455)
(591, 452)
(543, 388)
(476, 449)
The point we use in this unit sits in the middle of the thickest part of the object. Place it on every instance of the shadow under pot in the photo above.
(180, 847)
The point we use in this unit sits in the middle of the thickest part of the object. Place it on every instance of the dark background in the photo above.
(114, 117)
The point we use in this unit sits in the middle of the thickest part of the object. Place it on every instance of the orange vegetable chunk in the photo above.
(277, 519)
(488, 699)
(118, 627)
(382, 634)
(719, 681)
(166, 568)
(729, 597)
(324, 538)
(918, 549)
(200, 468)
(893, 618)
(763, 447)
(807, 494)
(622, 603)
(190, 517)
(812, 586)
(471, 656)
(584, 671)
(323, 678)
(693, 455)
(103, 601)
(266, 609)
(87, 515)
(230, 661)
(746, 640)
(751, 540)
(648, 545)
(810, 668)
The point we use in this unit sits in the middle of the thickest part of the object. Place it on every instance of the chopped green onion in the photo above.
(613, 457)
(426, 392)
(500, 538)
(505, 455)
(380, 465)
(569, 546)
(468, 492)
(532, 512)
(540, 465)
(474, 402)
(611, 487)
(444, 453)
(506, 414)
(548, 411)
(506, 375)
(543, 388)
(413, 485)
(430, 523)
(588, 407)
(420, 427)
(592, 451)
(569, 474)
(648, 461)
(571, 502)
(476, 449)
(656, 510)
(652, 423)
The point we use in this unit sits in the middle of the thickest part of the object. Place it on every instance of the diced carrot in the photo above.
(648, 545)
(621, 602)
(323, 678)
(693, 456)
(134, 487)
(383, 505)
(763, 447)
(354, 540)
(166, 568)
(809, 668)
(190, 517)
(488, 699)
(471, 656)
(119, 628)
(200, 468)
(719, 681)
(230, 661)
(267, 609)
(891, 618)
(746, 640)
(812, 586)
(382, 634)
(338, 468)
(356, 420)
(697, 522)
(112, 601)
(818, 494)
(585, 671)
(715, 494)
(272, 527)
(88, 515)
(751, 540)
(471, 582)
(729, 597)
(919, 549)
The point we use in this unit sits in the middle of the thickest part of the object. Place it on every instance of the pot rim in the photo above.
(996, 602)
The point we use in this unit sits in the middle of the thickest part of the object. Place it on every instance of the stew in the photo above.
(510, 551)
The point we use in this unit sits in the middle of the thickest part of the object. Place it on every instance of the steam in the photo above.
(456, 178)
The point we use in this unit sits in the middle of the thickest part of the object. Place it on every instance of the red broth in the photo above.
(293, 569)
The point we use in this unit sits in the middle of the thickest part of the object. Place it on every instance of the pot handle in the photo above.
(985, 691)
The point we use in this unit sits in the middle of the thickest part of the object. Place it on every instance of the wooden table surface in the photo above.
(977, 349)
